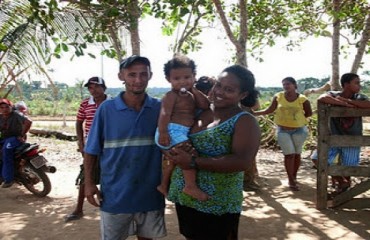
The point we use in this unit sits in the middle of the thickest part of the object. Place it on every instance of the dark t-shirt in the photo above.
(12, 126)
(347, 125)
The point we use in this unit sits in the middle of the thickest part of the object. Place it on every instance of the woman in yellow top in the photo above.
(291, 110)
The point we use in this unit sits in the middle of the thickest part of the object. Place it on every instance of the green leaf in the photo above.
(64, 47)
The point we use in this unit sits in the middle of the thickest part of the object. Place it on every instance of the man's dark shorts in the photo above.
(204, 226)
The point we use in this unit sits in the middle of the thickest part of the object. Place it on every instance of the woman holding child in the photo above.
(227, 140)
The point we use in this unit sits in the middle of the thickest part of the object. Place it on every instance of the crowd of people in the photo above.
(196, 146)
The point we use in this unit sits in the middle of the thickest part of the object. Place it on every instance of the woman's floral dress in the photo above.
(225, 189)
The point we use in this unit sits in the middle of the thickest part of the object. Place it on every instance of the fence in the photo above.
(325, 141)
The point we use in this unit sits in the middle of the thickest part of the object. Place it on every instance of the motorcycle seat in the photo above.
(21, 148)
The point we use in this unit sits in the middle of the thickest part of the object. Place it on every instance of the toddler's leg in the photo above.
(191, 187)
(168, 167)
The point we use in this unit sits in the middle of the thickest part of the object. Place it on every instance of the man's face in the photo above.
(135, 77)
(5, 109)
(354, 85)
(95, 90)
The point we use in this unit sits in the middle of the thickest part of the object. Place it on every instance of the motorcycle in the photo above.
(31, 168)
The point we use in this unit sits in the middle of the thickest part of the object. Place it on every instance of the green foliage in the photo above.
(311, 142)
(307, 83)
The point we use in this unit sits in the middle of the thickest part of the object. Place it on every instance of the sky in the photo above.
(312, 59)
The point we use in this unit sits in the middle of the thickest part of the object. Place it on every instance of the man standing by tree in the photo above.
(85, 116)
(122, 135)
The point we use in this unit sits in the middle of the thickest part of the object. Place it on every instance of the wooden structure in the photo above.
(326, 140)
(51, 133)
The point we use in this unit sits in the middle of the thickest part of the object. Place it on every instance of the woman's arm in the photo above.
(245, 144)
(307, 109)
(268, 110)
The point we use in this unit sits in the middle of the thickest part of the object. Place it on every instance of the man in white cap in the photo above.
(85, 116)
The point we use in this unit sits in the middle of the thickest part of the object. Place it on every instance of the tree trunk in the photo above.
(362, 45)
(134, 26)
(242, 48)
(335, 46)
(241, 43)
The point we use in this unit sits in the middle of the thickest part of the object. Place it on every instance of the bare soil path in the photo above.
(274, 212)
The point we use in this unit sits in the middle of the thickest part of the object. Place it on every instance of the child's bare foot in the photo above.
(196, 193)
(162, 189)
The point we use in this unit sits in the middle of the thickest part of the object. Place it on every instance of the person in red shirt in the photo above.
(85, 116)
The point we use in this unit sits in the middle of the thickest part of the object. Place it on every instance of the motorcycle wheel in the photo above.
(36, 181)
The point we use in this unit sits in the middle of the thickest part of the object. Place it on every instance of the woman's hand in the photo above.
(179, 157)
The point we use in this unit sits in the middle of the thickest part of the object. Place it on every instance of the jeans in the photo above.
(291, 141)
(7, 166)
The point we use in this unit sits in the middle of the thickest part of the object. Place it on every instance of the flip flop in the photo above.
(294, 188)
(72, 217)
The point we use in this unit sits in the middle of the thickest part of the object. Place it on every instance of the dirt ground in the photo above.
(274, 212)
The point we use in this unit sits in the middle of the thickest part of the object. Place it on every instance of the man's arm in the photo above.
(332, 100)
(364, 103)
(90, 186)
(26, 126)
(80, 136)
(27, 123)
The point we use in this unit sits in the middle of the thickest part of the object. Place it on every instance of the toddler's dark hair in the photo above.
(179, 61)
(247, 84)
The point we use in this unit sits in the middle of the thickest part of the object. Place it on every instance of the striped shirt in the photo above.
(86, 113)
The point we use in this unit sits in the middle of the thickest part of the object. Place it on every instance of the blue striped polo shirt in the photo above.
(130, 161)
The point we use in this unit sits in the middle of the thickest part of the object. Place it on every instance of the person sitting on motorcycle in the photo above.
(21, 107)
(13, 130)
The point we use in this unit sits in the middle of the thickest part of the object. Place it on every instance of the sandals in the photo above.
(72, 217)
(294, 188)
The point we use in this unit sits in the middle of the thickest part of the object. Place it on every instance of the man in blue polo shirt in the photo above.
(122, 134)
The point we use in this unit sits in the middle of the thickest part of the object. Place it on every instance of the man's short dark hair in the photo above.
(347, 78)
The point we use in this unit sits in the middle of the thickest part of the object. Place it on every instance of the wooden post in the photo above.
(324, 142)
(322, 153)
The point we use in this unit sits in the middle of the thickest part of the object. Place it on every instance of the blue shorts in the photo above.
(178, 134)
(348, 156)
(145, 224)
(291, 141)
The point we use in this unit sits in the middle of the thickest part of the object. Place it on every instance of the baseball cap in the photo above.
(6, 101)
(96, 80)
(127, 62)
